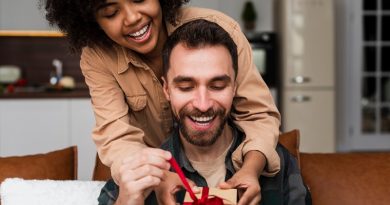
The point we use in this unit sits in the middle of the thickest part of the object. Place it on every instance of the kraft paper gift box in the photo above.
(229, 196)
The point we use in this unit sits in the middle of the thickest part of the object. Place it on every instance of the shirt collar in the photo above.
(178, 152)
(129, 58)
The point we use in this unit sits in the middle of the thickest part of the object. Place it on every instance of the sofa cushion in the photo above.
(56, 165)
(16, 191)
(347, 178)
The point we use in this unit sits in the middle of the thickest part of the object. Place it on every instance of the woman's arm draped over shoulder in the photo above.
(113, 135)
(254, 110)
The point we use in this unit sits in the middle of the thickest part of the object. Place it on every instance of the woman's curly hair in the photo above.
(76, 18)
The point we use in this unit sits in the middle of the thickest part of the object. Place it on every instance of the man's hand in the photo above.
(246, 180)
(165, 191)
(140, 173)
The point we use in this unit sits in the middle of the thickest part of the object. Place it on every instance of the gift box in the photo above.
(208, 196)
(215, 196)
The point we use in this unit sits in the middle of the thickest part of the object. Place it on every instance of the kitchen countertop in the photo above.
(77, 93)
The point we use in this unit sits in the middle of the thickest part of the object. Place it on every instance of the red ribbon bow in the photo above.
(204, 200)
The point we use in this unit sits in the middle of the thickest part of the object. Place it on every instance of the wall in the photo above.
(22, 15)
(234, 8)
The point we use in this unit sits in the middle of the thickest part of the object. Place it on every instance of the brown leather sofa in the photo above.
(343, 178)
(332, 178)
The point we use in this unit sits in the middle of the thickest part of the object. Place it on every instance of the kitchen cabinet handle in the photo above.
(300, 98)
(300, 79)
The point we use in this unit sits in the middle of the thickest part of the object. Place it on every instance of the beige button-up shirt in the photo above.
(132, 112)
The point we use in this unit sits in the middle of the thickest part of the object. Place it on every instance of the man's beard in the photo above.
(203, 137)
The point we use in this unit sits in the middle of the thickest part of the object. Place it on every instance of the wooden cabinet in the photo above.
(308, 87)
(32, 126)
(312, 112)
(308, 44)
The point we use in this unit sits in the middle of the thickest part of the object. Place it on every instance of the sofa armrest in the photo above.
(347, 178)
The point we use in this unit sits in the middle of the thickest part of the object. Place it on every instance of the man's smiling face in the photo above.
(200, 84)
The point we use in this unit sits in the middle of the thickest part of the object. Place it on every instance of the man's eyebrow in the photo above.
(224, 78)
(104, 5)
(180, 79)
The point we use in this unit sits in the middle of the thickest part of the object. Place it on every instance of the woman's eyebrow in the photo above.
(104, 5)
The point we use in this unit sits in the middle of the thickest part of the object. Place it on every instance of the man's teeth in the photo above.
(140, 32)
(202, 119)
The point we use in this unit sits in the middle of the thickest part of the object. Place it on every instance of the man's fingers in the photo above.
(165, 192)
(166, 198)
(193, 186)
(229, 184)
(250, 196)
(180, 185)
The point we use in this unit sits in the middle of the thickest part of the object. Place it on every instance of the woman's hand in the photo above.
(246, 180)
(140, 173)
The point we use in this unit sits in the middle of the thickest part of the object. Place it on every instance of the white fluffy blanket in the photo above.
(17, 191)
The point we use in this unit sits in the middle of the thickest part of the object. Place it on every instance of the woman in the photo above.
(120, 43)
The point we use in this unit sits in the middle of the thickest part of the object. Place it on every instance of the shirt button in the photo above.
(165, 106)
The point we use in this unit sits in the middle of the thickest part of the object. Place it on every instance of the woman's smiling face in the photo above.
(134, 24)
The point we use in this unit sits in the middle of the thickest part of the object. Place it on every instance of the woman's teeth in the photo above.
(139, 34)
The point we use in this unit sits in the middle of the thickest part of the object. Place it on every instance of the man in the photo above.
(200, 66)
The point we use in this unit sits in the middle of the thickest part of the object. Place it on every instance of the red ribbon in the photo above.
(204, 200)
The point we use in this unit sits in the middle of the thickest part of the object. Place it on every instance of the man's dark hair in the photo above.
(198, 34)
(76, 18)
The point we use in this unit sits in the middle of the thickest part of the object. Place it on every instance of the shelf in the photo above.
(30, 33)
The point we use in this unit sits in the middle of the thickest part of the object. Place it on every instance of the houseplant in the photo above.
(249, 16)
